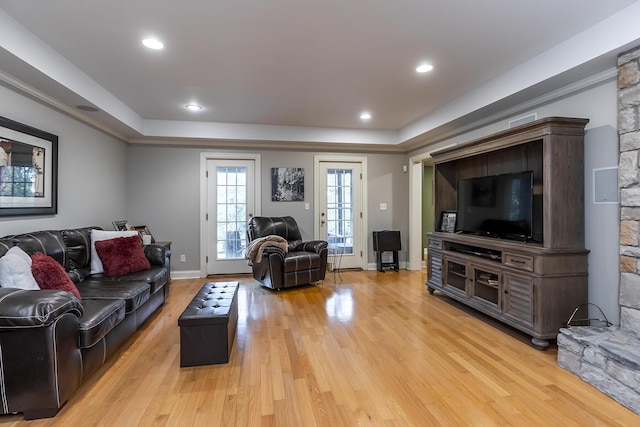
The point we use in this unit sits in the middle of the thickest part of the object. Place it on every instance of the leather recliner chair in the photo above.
(303, 263)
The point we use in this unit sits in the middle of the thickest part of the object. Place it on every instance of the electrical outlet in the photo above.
(183, 258)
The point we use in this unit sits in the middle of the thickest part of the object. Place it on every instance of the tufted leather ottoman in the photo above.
(208, 325)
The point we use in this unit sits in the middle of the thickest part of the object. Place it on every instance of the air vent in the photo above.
(88, 108)
(522, 120)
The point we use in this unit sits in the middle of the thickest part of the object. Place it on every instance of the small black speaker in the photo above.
(386, 241)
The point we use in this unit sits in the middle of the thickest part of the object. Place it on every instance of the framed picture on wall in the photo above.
(287, 184)
(28, 170)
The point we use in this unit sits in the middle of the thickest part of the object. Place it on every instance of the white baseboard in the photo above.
(185, 274)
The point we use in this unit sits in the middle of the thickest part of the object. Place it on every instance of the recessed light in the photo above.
(153, 44)
(424, 68)
(365, 116)
(193, 107)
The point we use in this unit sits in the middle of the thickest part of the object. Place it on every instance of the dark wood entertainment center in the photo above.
(534, 285)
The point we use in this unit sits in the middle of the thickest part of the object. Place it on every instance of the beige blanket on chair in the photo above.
(256, 247)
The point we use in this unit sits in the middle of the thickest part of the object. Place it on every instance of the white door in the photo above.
(340, 207)
(231, 202)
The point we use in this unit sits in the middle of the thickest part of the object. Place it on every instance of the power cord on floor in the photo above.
(336, 268)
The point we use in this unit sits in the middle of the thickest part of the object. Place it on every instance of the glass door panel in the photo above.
(230, 203)
(340, 211)
(231, 215)
(486, 286)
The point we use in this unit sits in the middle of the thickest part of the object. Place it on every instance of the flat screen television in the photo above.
(498, 206)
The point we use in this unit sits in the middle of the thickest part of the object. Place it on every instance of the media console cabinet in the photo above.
(533, 285)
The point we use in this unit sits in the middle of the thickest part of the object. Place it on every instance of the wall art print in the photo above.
(28, 170)
(287, 184)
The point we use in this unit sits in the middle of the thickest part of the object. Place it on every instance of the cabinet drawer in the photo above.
(435, 243)
(522, 262)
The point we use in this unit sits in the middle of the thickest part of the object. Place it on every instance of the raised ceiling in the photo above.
(300, 70)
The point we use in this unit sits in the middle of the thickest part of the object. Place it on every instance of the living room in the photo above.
(157, 181)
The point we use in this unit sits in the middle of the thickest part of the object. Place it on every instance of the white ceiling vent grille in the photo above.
(522, 120)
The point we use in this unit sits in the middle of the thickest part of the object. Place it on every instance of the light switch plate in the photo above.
(383, 206)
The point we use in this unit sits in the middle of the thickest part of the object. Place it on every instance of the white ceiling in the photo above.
(302, 70)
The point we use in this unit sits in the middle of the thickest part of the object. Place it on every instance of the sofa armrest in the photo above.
(269, 250)
(41, 361)
(158, 255)
(21, 308)
(316, 246)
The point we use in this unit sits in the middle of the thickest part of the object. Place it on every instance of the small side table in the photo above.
(386, 241)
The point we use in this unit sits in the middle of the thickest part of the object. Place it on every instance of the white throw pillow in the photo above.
(15, 270)
(97, 235)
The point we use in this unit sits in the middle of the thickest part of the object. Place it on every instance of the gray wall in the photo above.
(92, 177)
(164, 194)
(598, 104)
(102, 179)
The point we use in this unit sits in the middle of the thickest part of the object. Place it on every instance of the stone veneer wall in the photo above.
(629, 183)
(609, 357)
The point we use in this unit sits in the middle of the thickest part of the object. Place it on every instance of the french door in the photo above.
(230, 203)
(340, 212)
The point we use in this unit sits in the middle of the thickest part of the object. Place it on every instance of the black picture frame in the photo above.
(121, 225)
(448, 221)
(28, 170)
(287, 184)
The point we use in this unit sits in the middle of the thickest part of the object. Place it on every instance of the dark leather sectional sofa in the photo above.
(50, 341)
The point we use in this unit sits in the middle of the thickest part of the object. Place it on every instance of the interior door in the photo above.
(340, 206)
(231, 201)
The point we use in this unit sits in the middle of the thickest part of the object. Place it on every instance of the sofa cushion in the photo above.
(15, 270)
(6, 243)
(78, 243)
(100, 317)
(51, 275)
(157, 277)
(48, 242)
(133, 293)
(97, 235)
(122, 255)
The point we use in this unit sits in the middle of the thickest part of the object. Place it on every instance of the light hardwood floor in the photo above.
(372, 349)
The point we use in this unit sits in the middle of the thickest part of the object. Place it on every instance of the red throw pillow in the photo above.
(51, 275)
(122, 255)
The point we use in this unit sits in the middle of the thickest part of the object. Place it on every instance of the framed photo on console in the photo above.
(121, 225)
(143, 230)
(448, 221)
